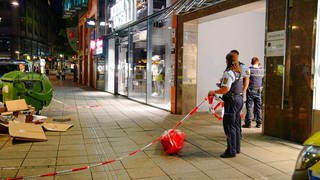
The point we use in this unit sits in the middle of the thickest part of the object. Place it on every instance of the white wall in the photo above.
(244, 32)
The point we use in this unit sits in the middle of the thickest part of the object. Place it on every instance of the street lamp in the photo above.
(18, 54)
(15, 3)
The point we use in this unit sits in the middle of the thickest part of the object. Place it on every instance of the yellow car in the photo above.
(308, 162)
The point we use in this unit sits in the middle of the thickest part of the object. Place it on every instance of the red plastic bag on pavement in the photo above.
(172, 141)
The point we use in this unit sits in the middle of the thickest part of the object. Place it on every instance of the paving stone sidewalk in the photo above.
(106, 127)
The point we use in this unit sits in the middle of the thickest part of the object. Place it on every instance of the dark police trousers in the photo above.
(232, 108)
(253, 98)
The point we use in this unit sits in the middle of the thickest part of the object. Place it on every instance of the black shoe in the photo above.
(238, 152)
(227, 155)
(246, 126)
(258, 126)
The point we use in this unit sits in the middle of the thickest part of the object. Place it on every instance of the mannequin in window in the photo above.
(157, 75)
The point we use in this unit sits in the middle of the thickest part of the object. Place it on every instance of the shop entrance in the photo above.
(208, 39)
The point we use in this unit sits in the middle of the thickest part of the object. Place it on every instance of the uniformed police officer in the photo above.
(254, 94)
(245, 74)
(231, 88)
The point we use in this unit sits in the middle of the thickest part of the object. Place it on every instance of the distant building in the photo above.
(25, 27)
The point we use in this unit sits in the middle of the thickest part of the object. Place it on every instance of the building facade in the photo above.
(136, 55)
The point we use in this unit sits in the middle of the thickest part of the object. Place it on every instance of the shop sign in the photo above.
(140, 36)
(96, 46)
(276, 43)
(122, 12)
(99, 46)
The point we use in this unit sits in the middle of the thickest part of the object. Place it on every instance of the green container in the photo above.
(35, 88)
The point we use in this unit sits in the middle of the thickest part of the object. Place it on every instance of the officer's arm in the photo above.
(246, 81)
(222, 90)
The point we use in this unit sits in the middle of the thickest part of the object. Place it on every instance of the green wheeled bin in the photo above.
(35, 88)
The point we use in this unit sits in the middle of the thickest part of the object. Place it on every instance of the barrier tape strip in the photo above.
(51, 174)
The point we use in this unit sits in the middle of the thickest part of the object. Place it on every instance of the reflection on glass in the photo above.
(110, 65)
(142, 8)
(123, 66)
(160, 94)
(100, 73)
(159, 4)
(138, 66)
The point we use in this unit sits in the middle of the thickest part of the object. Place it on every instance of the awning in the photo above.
(186, 6)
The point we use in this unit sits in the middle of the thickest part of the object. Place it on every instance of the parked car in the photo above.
(308, 162)
(8, 65)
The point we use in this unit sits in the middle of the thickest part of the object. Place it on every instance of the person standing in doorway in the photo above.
(254, 94)
(231, 88)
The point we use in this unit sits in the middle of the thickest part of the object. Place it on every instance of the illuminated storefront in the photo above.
(139, 58)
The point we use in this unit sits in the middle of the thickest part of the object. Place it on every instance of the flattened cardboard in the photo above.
(16, 105)
(56, 127)
(6, 113)
(26, 131)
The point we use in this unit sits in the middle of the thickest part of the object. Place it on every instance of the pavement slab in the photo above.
(107, 126)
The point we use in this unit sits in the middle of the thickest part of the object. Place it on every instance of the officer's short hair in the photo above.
(254, 60)
(235, 51)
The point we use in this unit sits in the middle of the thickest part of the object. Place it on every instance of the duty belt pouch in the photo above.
(228, 97)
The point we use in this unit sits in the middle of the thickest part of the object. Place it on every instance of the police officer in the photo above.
(231, 88)
(254, 94)
(245, 74)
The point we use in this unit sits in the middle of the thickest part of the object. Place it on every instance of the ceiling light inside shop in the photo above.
(91, 23)
(15, 3)
(102, 23)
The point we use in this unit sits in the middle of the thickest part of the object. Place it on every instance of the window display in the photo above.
(142, 8)
(160, 94)
(138, 65)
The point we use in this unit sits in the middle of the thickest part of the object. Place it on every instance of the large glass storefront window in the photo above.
(110, 66)
(123, 63)
(100, 73)
(142, 8)
(138, 63)
(160, 65)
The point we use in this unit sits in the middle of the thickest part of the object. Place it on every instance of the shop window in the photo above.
(138, 65)
(110, 66)
(159, 93)
(123, 62)
(142, 8)
(159, 5)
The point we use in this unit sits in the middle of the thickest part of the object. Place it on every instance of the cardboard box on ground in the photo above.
(19, 120)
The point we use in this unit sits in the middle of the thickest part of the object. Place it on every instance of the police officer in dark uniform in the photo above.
(231, 88)
(254, 94)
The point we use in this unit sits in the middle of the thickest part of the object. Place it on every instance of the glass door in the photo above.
(123, 64)
(138, 63)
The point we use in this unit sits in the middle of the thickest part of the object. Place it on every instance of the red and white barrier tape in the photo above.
(179, 123)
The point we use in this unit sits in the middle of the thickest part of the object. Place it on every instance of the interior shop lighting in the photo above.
(102, 23)
(14, 3)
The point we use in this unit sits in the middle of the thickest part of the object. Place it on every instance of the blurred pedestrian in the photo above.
(22, 67)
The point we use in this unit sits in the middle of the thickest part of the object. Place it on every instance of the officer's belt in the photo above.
(234, 94)
(258, 90)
